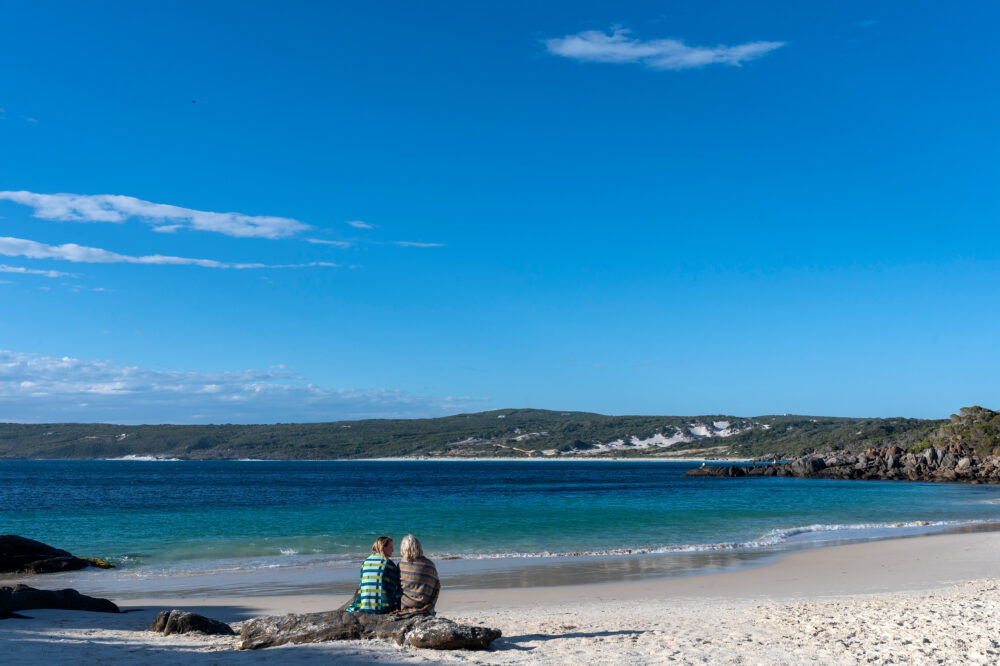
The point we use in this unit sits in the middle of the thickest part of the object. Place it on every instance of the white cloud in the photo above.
(163, 217)
(318, 241)
(38, 387)
(31, 120)
(20, 247)
(672, 54)
(358, 224)
(33, 271)
(416, 244)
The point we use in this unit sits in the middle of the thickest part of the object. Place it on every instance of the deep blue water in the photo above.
(191, 514)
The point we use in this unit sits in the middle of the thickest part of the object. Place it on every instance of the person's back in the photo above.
(418, 579)
(379, 589)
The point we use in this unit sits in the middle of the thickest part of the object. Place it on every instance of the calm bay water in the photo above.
(225, 515)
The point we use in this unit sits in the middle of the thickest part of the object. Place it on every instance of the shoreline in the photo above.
(405, 459)
(515, 571)
(917, 600)
(885, 566)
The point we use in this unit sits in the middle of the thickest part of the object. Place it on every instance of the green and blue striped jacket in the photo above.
(379, 590)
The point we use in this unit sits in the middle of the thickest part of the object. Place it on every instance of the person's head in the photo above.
(382, 546)
(410, 548)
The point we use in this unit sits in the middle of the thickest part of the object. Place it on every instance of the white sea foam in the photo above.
(770, 539)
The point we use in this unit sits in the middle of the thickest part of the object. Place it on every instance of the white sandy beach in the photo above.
(920, 600)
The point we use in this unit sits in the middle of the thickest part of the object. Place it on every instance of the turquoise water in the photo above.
(226, 514)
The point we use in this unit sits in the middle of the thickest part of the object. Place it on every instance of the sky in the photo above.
(246, 212)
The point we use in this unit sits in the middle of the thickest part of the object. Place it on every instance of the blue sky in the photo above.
(314, 211)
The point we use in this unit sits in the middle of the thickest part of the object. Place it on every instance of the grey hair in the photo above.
(410, 548)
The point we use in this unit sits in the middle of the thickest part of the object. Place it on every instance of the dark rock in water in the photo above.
(18, 554)
(22, 597)
(54, 565)
(707, 470)
(807, 465)
(181, 622)
(890, 464)
(423, 632)
(6, 615)
(27, 556)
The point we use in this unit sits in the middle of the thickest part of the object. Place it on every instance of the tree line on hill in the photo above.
(507, 433)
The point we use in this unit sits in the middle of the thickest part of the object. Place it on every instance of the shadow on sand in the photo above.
(513, 642)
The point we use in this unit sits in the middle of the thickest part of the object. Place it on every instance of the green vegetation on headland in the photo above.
(973, 428)
(505, 433)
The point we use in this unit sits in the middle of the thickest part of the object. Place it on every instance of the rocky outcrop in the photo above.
(975, 429)
(951, 463)
(22, 597)
(27, 556)
(435, 633)
(181, 622)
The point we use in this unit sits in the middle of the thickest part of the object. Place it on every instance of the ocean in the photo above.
(305, 525)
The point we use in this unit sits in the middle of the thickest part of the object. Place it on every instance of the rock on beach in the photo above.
(23, 597)
(434, 633)
(182, 622)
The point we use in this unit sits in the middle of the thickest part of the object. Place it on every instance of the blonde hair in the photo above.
(410, 548)
(380, 545)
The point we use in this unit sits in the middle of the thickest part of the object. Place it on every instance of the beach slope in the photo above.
(919, 600)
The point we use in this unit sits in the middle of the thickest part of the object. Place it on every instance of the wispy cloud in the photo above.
(358, 224)
(31, 120)
(20, 247)
(335, 243)
(163, 217)
(416, 244)
(34, 271)
(38, 387)
(619, 46)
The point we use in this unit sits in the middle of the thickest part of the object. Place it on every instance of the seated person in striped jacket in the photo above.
(379, 590)
(419, 579)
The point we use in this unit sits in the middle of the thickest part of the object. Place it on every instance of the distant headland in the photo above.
(509, 433)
